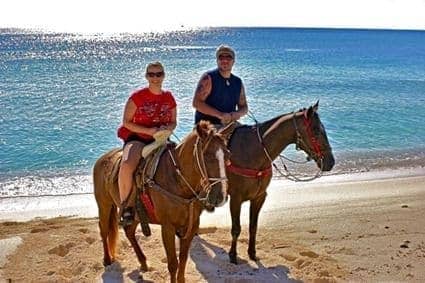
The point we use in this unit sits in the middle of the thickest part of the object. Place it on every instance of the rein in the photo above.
(205, 184)
(316, 147)
(206, 181)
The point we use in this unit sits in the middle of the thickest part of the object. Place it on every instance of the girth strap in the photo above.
(250, 173)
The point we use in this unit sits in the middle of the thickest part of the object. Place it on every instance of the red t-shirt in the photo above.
(153, 110)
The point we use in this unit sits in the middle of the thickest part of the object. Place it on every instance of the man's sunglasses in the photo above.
(225, 57)
(155, 74)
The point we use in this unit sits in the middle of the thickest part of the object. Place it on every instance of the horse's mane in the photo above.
(205, 126)
(268, 126)
(275, 122)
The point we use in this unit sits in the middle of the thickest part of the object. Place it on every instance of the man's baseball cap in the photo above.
(224, 50)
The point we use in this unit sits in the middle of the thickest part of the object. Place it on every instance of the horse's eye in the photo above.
(317, 131)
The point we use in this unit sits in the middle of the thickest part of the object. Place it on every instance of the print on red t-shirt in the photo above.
(153, 110)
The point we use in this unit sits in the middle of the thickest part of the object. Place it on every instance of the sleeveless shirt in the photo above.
(224, 96)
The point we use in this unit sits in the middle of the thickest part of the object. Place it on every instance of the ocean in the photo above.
(62, 95)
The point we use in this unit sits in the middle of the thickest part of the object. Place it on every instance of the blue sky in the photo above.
(145, 15)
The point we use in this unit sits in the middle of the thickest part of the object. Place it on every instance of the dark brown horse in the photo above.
(187, 179)
(253, 149)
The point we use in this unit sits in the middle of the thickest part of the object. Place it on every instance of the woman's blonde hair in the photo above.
(154, 64)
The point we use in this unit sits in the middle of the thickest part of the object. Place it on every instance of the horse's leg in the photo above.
(168, 233)
(105, 212)
(235, 212)
(183, 255)
(254, 210)
(130, 232)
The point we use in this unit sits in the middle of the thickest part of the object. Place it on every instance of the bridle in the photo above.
(207, 182)
(314, 153)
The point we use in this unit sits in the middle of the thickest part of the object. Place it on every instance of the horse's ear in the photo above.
(316, 106)
(227, 131)
(312, 109)
(202, 128)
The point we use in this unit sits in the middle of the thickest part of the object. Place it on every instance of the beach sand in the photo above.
(336, 229)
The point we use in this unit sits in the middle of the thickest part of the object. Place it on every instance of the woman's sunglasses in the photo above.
(155, 74)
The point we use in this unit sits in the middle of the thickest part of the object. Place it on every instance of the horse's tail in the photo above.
(108, 215)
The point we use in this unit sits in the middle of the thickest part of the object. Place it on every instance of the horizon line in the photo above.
(185, 29)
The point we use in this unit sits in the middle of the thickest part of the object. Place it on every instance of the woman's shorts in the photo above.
(137, 138)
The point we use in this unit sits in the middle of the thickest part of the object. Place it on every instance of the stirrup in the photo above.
(127, 216)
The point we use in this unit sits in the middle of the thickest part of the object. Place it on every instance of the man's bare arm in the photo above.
(242, 106)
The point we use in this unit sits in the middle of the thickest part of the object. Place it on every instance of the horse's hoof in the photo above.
(252, 256)
(233, 259)
(106, 262)
(144, 267)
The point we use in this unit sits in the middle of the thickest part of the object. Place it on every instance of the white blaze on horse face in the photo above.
(220, 157)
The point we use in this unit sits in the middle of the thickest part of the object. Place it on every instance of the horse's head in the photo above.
(211, 154)
(312, 138)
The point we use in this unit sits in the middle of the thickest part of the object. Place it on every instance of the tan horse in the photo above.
(188, 178)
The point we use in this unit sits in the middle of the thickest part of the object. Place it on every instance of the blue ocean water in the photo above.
(62, 95)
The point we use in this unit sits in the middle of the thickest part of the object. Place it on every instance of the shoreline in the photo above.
(26, 208)
(334, 229)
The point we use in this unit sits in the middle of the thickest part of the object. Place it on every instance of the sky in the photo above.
(111, 16)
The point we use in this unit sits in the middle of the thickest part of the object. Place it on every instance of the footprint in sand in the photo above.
(38, 230)
(309, 254)
(61, 250)
(79, 270)
(323, 280)
(90, 240)
(300, 263)
(288, 257)
(10, 223)
(324, 273)
(56, 226)
(84, 230)
(405, 244)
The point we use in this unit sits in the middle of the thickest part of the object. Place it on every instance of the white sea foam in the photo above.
(84, 205)
(45, 185)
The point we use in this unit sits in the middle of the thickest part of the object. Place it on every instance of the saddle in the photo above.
(144, 173)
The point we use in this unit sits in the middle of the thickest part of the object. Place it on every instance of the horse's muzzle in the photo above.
(328, 162)
(217, 196)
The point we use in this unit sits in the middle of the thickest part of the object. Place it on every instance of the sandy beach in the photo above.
(368, 227)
